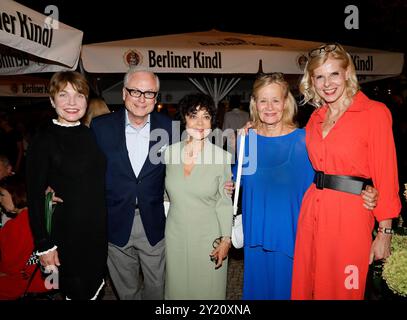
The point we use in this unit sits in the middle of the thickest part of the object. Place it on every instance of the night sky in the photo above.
(382, 24)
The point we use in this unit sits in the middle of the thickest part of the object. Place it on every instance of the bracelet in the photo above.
(385, 230)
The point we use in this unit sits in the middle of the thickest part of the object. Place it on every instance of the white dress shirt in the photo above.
(137, 142)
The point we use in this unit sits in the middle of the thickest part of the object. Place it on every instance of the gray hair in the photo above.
(136, 69)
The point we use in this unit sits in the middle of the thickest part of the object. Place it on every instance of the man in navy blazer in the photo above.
(133, 140)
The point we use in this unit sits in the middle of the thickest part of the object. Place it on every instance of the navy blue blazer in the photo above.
(122, 185)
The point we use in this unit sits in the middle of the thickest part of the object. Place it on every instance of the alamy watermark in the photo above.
(224, 139)
(52, 19)
(352, 280)
(352, 18)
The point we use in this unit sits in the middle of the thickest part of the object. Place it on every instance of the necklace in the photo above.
(330, 122)
(334, 120)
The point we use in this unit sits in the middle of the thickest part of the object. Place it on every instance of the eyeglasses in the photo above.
(137, 93)
(322, 49)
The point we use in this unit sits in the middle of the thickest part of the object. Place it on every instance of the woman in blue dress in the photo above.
(276, 174)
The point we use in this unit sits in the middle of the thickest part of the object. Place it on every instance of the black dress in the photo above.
(69, 160)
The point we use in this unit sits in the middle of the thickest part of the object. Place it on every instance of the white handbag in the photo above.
(166, 207)
(237, 227)
(167, 203)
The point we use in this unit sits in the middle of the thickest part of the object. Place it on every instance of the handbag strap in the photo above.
(37, 267)
(239, 174)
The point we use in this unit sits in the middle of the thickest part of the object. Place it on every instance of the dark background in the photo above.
(382, 23)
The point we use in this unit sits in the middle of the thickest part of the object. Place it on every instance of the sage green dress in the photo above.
(200, 212)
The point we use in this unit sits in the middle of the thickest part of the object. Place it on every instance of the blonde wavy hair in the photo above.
(96, 107)
(290, 105)
(317, 57)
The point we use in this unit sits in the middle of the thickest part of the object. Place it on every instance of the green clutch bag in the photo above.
(49, 210)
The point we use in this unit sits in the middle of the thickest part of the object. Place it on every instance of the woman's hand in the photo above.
(229, 187)
(50, 259)
(370, 196)
(221, 252)
(380, 248)
(55, 199)
(244, 131)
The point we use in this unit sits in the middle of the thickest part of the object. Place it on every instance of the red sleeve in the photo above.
(383, 162)
(16, 244)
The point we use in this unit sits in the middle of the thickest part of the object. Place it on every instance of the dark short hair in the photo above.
(15, 185)
(191, 103)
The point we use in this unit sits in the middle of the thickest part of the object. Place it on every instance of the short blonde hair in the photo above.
(290, 105)
(317, 58)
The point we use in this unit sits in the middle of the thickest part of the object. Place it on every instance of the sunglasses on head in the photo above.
(322, 49)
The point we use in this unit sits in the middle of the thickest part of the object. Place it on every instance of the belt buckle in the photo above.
(319, 179)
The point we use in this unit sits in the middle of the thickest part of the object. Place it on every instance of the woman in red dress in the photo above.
(349, 140)
(17, 246)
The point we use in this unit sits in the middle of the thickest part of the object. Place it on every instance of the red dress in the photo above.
(334, 233)
(16, 246)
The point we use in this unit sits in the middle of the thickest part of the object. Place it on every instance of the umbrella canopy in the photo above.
(216, 52)
(23, 86)
(32, 42)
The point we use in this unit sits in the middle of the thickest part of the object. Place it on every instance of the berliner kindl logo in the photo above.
(302, 61)
(132, 58)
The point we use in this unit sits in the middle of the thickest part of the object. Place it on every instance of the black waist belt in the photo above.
(347, 184)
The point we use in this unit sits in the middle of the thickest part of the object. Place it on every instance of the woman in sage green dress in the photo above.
(199, 221)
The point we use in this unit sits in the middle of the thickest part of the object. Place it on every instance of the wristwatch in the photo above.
(385, 230)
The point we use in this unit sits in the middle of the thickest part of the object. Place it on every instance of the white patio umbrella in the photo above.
(217, 53)
(32, 42)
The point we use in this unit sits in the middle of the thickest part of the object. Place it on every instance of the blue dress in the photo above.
(276, 174)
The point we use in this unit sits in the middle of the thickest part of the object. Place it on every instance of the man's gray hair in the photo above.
(136, 69)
